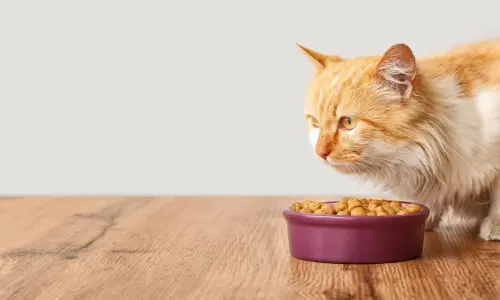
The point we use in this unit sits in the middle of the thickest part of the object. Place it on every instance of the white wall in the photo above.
(188, 97)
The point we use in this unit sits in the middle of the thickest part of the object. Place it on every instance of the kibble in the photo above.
(297, 206)
(358, 211)
(353, 200)
(353, 204)
(372, 206)
(381, 214)
(395, 204)
(356, 207)
(388, 209)
(402, 212)
(314, 206)
(327, 209)
(305, 202)
(412, 207)
(380, 209)
(340, 206)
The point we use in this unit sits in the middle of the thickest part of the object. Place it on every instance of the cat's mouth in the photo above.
(336, 164)
(343, 167)
(332, 163)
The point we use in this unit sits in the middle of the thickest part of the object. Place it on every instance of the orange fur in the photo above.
(427, 120)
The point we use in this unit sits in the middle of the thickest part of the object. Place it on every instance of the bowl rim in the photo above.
(324, 219)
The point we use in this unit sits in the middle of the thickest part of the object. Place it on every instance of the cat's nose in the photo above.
(323, 153)
(324, 144)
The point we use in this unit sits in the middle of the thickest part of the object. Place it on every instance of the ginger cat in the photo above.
(427, 129)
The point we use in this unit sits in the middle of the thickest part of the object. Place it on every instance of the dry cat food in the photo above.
(350, 206)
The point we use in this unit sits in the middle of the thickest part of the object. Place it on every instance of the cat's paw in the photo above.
(490, 229)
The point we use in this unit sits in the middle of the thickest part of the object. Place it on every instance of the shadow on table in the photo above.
(452, 240)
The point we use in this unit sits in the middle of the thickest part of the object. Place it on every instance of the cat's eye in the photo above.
(314, 122)
(348, 123)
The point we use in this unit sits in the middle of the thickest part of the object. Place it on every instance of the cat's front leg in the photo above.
(434, 218)
(490, 226)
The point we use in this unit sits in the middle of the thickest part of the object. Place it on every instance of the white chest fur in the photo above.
(472, 149)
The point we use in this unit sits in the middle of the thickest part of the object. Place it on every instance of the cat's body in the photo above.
(428, 129)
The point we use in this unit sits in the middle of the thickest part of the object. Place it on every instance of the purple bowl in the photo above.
(356, 239)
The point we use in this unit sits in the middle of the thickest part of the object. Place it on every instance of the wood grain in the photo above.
(211, 248)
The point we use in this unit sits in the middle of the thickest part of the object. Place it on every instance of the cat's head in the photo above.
(363, 113)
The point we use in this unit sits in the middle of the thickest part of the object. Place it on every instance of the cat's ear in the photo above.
(398, 68)
(319, 60)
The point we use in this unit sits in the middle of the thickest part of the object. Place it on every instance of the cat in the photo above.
(426, 129)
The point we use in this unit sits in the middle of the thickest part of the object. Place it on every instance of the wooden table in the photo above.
(210, 248)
